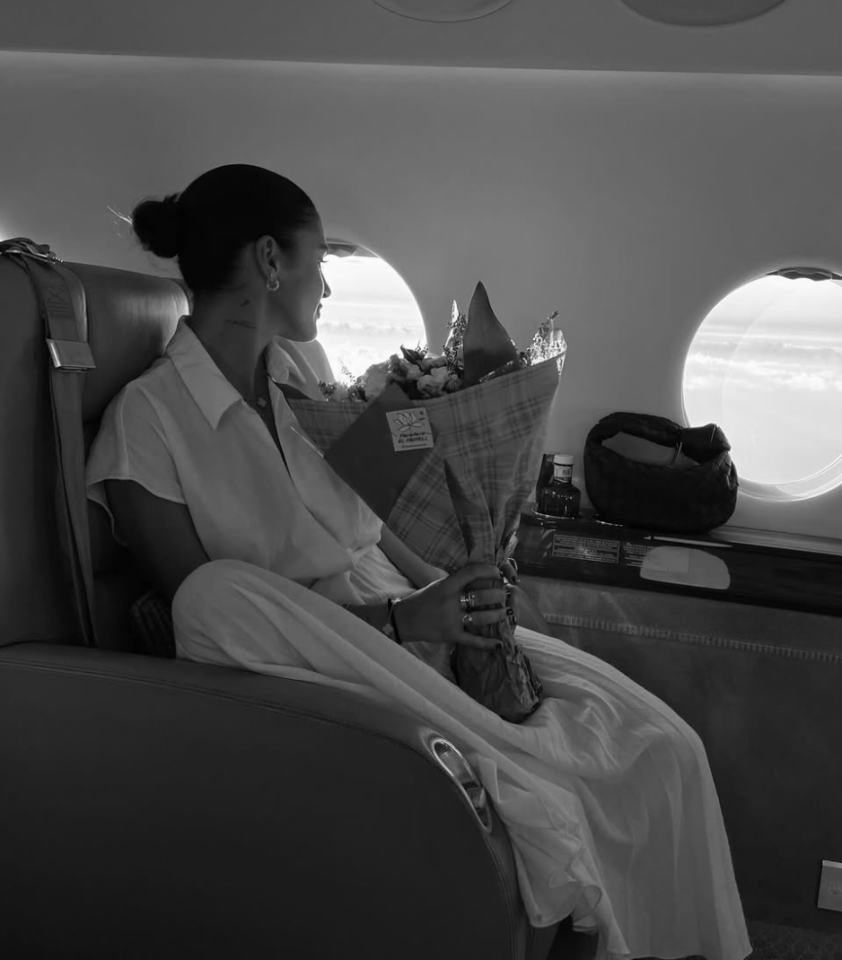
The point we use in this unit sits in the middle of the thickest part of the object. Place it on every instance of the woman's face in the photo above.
(304, 287)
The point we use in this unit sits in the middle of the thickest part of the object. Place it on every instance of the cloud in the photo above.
(381, 331)
(792, 367)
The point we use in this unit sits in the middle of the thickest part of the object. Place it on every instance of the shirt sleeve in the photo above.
(131, 445)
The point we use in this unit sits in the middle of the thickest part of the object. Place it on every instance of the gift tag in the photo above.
(411, 429)
(364, 456)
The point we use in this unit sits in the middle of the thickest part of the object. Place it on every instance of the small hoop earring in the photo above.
(272, 284)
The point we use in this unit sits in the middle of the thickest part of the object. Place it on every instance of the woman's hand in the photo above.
(509, 569)
(434, 614)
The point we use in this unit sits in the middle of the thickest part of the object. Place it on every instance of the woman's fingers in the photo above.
(509, 569)
(436, 613)
(475, 571)
(484, 591)
(480, 618)
(486, 598)
(484, 618)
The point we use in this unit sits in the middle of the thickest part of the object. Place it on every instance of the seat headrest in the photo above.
(131, 317)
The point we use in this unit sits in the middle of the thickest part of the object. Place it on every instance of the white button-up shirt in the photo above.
(185, 434)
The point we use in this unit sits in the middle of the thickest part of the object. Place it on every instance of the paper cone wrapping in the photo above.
(490, 436)
(450, 475)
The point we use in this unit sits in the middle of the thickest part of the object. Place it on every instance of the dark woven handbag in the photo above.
(691, 496)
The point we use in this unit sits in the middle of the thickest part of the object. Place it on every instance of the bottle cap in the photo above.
(563, 459)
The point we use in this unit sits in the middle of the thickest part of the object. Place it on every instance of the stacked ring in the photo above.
(468, 601)
(467, 620)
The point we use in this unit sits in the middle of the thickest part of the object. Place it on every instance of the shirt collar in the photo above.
(301, 366)
(205, 382)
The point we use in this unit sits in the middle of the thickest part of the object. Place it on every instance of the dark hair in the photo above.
(207, 225)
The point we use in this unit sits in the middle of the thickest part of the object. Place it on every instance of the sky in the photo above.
(766, 363)
(369, 315)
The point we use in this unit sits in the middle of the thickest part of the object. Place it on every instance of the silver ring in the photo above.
(465, 601)
(467, 620)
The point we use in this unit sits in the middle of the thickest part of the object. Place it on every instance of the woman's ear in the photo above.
(272, 260)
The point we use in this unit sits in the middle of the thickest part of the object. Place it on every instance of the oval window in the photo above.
(370, 312)
(766, 365)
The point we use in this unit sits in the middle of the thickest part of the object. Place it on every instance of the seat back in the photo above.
(131, 317)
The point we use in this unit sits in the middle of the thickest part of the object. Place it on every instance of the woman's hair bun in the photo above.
(156, 225)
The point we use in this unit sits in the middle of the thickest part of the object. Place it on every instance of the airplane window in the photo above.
(766, 365)
(370, 313)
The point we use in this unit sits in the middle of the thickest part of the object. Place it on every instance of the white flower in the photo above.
(427, 387)
(413, 372)
(374, 380)
(432, 384)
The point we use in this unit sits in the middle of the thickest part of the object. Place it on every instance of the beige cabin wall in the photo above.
(631, 203)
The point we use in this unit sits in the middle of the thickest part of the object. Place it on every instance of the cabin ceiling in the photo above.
(797, 37)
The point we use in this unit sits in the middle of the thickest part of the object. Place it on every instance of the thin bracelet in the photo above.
(390, 622)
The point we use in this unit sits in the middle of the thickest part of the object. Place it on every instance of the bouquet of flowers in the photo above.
(445, 450)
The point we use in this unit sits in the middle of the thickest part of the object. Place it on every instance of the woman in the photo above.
(273, 564)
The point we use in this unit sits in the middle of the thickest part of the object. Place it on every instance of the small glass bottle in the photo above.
(559, 498)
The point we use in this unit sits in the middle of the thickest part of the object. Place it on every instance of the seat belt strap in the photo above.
(61, 303)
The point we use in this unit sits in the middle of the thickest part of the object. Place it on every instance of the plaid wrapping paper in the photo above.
(489, 437)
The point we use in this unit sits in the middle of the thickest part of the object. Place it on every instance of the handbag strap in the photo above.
(61, 304)
(699, 443)
(642, 425)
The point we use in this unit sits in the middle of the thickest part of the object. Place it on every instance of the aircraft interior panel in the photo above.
(660, 177)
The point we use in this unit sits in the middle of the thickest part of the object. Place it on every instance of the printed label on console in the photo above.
(566, 547)
(634, 554)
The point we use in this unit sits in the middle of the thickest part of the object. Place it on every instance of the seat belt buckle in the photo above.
(72, 355)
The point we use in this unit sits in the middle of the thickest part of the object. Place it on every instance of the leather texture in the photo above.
(153, 807)
(61, 299)
(130, 319)
(670, 499)
(169, 809)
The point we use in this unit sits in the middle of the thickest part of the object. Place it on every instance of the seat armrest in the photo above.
(213, 812)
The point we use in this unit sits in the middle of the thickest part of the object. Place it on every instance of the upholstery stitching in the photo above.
(663, 633)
